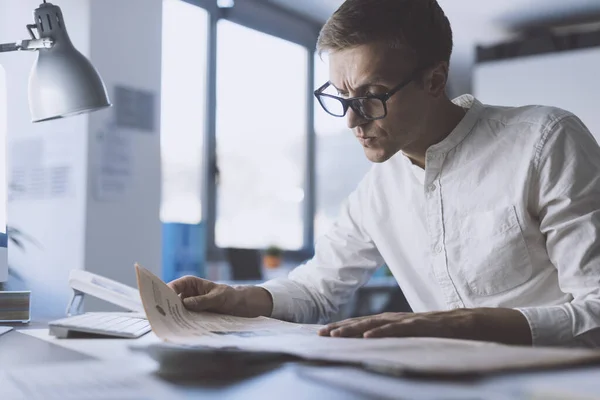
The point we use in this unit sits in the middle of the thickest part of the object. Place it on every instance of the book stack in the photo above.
(15, 306)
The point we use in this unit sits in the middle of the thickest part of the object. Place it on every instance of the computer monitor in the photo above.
(245, 264)
(3, 181)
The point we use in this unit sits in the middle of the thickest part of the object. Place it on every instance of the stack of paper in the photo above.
(14, 306)
(397, 356)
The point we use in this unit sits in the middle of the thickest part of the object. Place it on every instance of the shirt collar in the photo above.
(464, 127)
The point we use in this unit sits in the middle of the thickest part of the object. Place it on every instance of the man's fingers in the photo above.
(188, 286)
(326, 330)
(180, 285)
(207, 302)
(358, 328)
(395, 329)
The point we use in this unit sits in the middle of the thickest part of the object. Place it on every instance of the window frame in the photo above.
(284, 24)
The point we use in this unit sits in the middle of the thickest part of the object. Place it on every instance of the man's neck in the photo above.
(447, 118)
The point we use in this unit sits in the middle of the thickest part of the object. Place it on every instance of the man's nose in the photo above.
(354, 119)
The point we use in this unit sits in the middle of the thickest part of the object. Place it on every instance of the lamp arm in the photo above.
(28, 44)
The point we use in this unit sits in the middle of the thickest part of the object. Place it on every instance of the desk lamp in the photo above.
(62, 83)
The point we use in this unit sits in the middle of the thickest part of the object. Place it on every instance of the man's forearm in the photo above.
(254, 301)
(502, 325)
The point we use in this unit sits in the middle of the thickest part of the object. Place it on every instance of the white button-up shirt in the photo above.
(505, 214)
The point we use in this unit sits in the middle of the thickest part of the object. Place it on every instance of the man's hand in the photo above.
(202, 295)
(501, 325)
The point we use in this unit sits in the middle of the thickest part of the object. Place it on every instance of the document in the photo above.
(5, 329)
(172, 323)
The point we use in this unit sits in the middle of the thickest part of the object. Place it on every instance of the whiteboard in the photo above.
(569, 80)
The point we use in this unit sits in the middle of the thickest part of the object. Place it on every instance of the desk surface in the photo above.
(290, 381)
(24, 348)
(18, 349)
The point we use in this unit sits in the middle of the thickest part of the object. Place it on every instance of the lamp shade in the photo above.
(62, 82)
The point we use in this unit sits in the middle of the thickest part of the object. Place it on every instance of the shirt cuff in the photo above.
(280, 294)
(550, 326)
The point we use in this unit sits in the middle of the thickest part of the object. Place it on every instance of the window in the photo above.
(341, 162)
(183, 118)
(261, 135)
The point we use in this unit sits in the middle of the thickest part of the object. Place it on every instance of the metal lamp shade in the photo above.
(62, 82)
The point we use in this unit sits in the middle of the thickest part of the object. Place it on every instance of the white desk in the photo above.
(293, 380)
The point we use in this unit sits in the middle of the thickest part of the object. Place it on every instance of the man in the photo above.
(488, 217)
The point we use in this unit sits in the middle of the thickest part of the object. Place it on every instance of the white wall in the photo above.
(126, 47)
(567, 80)
(78, 230)
(56, 222)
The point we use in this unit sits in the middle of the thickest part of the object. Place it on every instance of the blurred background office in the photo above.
(215, 159)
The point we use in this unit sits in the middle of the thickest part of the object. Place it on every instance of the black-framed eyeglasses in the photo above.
(371, 107)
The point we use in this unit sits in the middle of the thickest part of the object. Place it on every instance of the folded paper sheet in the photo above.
(171, 322)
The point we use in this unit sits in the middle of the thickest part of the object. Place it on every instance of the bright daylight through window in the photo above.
(183, 109)
(341, 161)
(261, 139)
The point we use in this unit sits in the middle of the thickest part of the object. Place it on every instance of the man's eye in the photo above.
(374, 93)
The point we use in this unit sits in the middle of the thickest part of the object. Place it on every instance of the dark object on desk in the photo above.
(196, 362)
(245, 264)
(15, 306)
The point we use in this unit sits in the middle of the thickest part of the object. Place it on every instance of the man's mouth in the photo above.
(366, 140)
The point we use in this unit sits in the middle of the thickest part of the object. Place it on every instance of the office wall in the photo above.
(122, 224)
(47, 162)
(59, 163)
(567, 80)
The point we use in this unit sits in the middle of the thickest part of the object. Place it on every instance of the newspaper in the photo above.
(171, 322)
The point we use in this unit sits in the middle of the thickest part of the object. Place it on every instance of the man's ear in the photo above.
(436, 79)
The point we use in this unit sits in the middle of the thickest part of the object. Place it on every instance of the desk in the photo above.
(290, 381)
(34, 347)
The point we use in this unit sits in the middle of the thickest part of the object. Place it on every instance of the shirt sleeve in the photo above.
(568, 204)
(345, 258)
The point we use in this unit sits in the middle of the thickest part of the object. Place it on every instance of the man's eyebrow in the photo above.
(376, 80)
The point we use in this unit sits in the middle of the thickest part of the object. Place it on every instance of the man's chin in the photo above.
(377, 155)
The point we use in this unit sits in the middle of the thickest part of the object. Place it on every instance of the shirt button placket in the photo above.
(435, 223)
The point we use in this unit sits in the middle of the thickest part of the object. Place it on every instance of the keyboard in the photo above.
(101, 324)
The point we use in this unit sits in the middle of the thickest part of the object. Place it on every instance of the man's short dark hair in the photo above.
(419, 24)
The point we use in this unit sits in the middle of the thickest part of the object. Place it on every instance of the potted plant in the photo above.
(272, 257)
(19, 239)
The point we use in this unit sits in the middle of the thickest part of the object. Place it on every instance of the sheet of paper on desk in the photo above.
(80, 381)
(172, 322)
(397, 356)
(5, 329)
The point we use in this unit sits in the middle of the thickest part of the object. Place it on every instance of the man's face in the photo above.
(376, 69)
